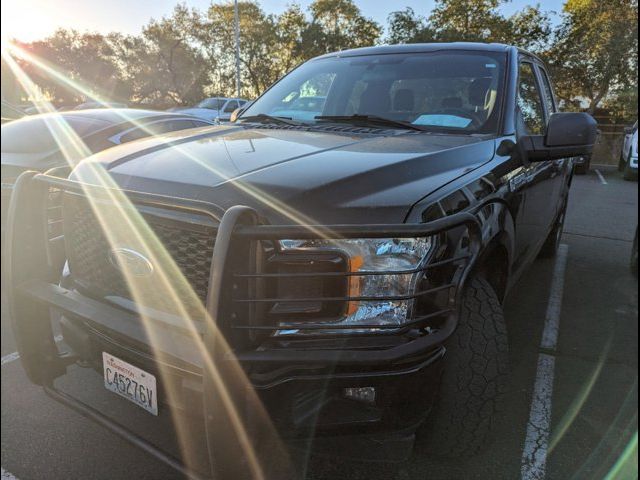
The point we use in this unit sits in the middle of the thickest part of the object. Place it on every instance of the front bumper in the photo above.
(294, 392)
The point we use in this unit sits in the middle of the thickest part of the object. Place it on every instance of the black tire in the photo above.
(584, 167)
(552, 242)
(475, 377)
(629, 173)
(621, 163)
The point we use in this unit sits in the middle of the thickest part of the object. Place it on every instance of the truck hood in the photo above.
(293, 175)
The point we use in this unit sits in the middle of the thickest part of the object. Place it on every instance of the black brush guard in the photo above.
(34, 261)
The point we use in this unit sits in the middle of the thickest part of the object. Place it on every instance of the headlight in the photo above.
(400, 257)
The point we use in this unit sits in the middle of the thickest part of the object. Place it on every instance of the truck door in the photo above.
(536, 183)
(559, 168)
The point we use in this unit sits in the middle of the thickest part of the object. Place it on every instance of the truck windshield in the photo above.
(457, 91)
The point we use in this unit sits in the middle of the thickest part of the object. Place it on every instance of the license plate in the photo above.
(130, 382)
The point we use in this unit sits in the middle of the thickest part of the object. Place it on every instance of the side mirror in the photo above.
(628, 130)
(568, 135)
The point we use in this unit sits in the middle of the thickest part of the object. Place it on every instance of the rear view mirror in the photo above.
(568, 135)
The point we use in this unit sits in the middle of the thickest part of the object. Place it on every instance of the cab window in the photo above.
(529, 114)
(547, 92)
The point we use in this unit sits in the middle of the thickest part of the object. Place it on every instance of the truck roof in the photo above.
(419, 48)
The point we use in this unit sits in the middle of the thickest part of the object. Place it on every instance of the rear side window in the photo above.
(530, 116)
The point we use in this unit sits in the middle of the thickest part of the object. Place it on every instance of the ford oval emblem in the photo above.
(130, 262)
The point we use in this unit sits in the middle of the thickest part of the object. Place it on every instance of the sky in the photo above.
(29, 20)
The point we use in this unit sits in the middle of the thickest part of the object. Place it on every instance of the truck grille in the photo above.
(190, 245)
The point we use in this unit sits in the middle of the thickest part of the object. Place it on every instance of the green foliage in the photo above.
(471, 21)
(170, 68)
(338, 25)
(84, 58)
(596, 49)
(190, 54)
(405, 26)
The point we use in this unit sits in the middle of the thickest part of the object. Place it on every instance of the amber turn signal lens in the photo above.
(354, 283)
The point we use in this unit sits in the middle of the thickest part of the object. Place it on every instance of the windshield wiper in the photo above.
(264, 118)
(370, 120)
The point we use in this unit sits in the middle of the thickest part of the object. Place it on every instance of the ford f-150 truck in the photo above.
(291, 282)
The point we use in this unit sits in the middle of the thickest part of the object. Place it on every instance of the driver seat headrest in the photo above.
(478, 90)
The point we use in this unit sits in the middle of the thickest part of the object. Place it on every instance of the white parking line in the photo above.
(601, 177)
(12, 357)
(534, 453)
(7, 475)
(552, 319)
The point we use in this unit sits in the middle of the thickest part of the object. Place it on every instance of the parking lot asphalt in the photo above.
(592, 407)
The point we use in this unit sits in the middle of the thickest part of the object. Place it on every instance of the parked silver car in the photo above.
(629, 154)
(214, 109)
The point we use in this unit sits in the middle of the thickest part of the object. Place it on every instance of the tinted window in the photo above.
(44, 134)
(530, 115)
(231, 106)
(307, 100)
(457, 91)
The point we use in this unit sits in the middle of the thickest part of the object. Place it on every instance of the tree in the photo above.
(172, 69)
(85, 59)
(258, 43)
(596, 49)
(338, 25)
(471, 21)
(466, 20)
(290, 30)
(405, 26)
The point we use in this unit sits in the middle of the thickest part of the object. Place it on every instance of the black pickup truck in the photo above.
(322, 275)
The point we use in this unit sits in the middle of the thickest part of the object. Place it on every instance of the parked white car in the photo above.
(629, 155)
(213, 109)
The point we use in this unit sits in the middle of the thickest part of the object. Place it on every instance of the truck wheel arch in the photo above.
(494, 261)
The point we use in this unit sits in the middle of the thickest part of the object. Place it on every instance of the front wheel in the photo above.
(474, 381)
(584, 167)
